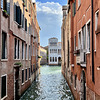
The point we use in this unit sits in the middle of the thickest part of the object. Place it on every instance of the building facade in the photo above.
(19, 47)
(54, 52)
(43, 54)
(84, 49)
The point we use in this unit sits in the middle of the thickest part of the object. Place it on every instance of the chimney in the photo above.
(34, 4)
(65, 10)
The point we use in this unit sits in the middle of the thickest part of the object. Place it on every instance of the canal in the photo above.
(50, 85)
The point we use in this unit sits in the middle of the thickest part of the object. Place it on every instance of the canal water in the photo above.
(50, 85)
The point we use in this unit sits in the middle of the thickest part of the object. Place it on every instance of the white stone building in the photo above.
(54, 52)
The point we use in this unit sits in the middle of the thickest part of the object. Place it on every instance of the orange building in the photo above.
(84, 51)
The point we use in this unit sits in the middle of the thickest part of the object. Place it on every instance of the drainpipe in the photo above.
(92, 41)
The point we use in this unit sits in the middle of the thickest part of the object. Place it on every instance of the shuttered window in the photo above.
(25, 24)
(17, 14)
(3, 86)
(17, 49)
(22, 76)
(26, 74)
(1, 4)
(74, 8)
(4, 45)
(29, 73)
(22, 20)
(5, 5)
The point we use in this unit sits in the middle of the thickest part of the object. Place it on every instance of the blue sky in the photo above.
(49, 16)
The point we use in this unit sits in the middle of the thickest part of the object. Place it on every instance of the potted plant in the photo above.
(39, 56)
(5, 13)
(18, 64)
(23, 4)
(19, 26)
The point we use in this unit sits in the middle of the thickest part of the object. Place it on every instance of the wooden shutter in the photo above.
(8, 7)
(18, 14)
(73, 8)
(1, 4)
(14, 12)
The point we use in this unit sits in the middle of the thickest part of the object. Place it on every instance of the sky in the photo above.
(49, 16)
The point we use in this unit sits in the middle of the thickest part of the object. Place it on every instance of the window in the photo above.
(17, 14)
(79, 3)
(29, 9)
(29, 73)
(75, 80)
(23, 21)
(88, 37)
(96, 19)
(26, 74)
(26, 51)
(29, 52)
(29, 29)
(5, 5)
(4, 45)
(25, 24)
(50, 59)
(74, 43)
(22, 50)
(55, 59)
(25, 2)
(84, 37)
(16, 48)
(71, 77)
(3, 86)
(79, 40)
(59, 51)
(74, 8)
(22, 76)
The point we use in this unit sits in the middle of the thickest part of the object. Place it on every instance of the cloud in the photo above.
(49, 16)
(49, 7)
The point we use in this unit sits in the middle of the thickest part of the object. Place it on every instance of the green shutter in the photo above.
(14, 12)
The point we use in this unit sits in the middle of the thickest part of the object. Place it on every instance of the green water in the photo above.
(50, 85)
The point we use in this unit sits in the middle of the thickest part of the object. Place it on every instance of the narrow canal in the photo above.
(50, 85)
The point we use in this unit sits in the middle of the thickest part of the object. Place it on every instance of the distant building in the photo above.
(54, 52)
(43, 54)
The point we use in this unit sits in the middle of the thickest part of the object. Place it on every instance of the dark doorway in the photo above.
(59, 60)
(17, 84)
(83, 86)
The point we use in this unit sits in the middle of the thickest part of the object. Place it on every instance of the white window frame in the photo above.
(87, 48)
(79, 3)
(96, 20)
(96, 25)
(26, 51)
(6, 85)
(80, 31)
(23, 50)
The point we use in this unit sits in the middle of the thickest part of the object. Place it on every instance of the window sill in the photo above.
(26, 81)
(22, 84)
(4, 98)
(74, 88)
(4, 60)
(88, 53)
(16, 59)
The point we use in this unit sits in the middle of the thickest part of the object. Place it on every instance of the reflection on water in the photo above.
(50, 85)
